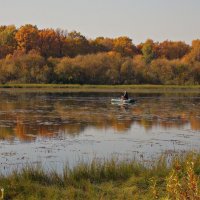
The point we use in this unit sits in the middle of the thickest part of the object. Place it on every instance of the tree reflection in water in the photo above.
(27, 116)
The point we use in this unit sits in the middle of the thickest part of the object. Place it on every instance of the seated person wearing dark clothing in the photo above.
(125, 96)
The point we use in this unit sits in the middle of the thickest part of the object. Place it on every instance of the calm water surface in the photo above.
(58, 128)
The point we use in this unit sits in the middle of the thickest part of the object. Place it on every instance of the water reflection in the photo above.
(27, 116)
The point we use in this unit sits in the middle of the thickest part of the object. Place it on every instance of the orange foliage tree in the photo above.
(50, 43)
(124, 46)
(173, 50)
(27, 38)
(194, 55)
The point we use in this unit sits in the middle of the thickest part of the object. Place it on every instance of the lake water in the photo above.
(53, 129)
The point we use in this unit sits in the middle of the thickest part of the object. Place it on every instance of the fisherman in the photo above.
(125, 96)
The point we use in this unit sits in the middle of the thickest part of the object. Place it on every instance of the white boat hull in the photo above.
(122, 101)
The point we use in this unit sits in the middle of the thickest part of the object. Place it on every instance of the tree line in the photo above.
(32, 55)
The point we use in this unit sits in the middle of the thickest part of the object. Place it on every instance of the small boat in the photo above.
(122, 101)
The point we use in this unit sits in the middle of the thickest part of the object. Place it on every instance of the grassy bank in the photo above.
(105, 88)
(111, 179)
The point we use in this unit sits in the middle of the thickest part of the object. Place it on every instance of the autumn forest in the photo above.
(32, 55)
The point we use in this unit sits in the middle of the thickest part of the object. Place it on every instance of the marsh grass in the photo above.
(86, 86)
(76, 88)
(109, 179)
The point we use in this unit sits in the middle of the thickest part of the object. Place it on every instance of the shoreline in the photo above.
(108, 179)
(101, 88)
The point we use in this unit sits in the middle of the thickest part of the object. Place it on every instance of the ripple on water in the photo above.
(56, 128)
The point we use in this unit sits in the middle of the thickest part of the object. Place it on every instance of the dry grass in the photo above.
(111, 179)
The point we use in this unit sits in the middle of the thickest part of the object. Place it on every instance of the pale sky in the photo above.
(137, 19)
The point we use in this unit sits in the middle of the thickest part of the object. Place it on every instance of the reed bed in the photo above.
(109, 179)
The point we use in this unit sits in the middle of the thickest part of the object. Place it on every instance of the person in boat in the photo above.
(125, 96)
